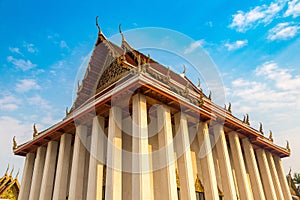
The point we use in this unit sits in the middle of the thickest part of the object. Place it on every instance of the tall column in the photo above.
(37, 173)
(49, 171)
(265, 174)
(27, 176)
(141, 188)
(207, 162)
(282, 178)
(165, 143)
(77, 171)
(224, 161)
(187, 185)
(239, 166)
(256, 184)
(114, 155)
(97, 159)
(62, 170)
(274, 176)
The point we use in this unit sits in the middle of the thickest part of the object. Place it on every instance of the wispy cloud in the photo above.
(63, 44)
(193, 46)
(26, 85)
(9, 103)
(15, 50)
(21, 63)
(293, 8)
(264, 14)
(38, 101)
(283, 31)
(236, 45)
(30, 47)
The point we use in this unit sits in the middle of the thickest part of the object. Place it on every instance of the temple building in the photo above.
(9, 186)
(137, 130)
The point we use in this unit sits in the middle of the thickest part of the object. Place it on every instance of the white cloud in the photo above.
(21, 63)
(48, 120)
(15, 50)
(283, 31)
(9, 103)
(37, 100)
(282, 77)
(63, 44)
(27, 84)
(30, 47)
(193, 46)
(236, 45)
(293, 8)
(264, 14)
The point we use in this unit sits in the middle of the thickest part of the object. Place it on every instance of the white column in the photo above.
(141, 188)
(187, 185)
(265, 174)
(27, 176)
(207, 162)
(274, 176)
(37, 173)
(239, 166)
(114, 155)
(62, 170)
(77, 171)
(165, 143)
(97, 159)
(282, 178)
(224, 161)
(49, 171)
(256, 184)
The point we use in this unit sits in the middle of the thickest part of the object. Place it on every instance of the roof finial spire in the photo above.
(120, 30)
(15, 145)
(35, 131)
(99, 29)
(7, 169)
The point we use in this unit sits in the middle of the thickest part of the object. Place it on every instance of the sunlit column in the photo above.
(282, 177)
(141, 188)
(165, 143)
(114, 155)
(37, 173)
(224, 161)
(62, 170)
(207, 163)
(27, 176)
(274, 176)
(95, 183)
(187, 185)
(265, 174)
(78, 163)
(239, 166)
(49, 171)
(256, 184)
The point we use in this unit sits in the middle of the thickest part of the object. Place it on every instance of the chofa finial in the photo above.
(247, 121)
(210, 94)
(35, 131)
(229, 108)
(120, 30)
(15, 145)
(288, 146)
(199, 83)
(99, 29)
(271, 136)
(261, 128)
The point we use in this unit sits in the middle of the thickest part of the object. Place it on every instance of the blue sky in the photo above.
(255, 46)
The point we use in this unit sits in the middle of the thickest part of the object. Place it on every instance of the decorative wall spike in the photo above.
(261, 128)
(199, 83)
(15, 145)
(244, 119)
(288, 146)
(35, 131)
(17, 174)
(7, 169)
(229, 107)
(209, 96)
(12, 171)
(271, 136)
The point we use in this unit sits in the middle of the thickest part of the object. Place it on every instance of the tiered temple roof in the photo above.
(122, 66)
(9, 186)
